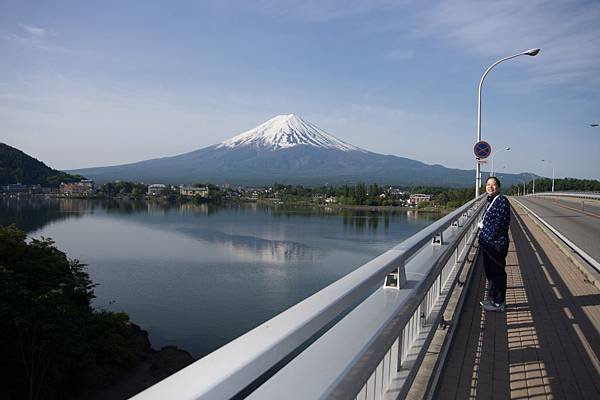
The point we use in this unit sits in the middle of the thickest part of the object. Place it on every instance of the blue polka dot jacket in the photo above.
(495, 224)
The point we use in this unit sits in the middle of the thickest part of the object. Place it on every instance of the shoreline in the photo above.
(152, 367)
(438, 210)
(269, 202)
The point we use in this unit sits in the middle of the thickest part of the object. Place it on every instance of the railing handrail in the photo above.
(581, 195)
(376, 350)
(589, 259)
(231, 368)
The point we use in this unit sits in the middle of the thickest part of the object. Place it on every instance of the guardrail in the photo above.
(369, 330)
(579, 195)
(589, 259)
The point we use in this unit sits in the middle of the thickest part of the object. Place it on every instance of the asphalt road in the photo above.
(577, 220)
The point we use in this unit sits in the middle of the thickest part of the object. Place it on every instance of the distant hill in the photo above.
(291, 150)
(18, 167)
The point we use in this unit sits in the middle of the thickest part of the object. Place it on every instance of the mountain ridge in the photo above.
(286, 149)
(18, 167)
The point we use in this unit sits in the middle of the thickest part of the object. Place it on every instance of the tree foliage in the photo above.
(372, 194)
(50, 337)
(18, 167)
(560, 185)
(123, 188)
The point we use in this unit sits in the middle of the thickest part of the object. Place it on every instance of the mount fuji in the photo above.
(285, 132)
(285, 149)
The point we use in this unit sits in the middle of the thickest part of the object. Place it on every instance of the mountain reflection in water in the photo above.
(254, 248)
(200, 275)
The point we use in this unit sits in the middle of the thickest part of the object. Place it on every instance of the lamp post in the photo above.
(494, 155)
(533, 176)
(548, 161)
(523, 182)
(531, 52)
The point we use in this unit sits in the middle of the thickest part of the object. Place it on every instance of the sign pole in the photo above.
(482, 150)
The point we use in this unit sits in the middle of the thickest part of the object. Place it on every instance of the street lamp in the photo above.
(524, 183)
(548, 161)
(533, 176)
(494, 155)
(531, 52)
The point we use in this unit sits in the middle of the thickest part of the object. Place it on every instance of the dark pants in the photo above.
(494, 263)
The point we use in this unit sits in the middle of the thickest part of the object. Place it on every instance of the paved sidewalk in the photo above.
(546, 345)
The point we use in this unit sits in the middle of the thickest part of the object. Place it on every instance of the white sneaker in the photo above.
(494, 307)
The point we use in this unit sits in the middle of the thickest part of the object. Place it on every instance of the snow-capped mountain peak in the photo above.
(285, 131)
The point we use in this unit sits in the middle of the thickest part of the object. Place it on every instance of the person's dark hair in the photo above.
(496, 179)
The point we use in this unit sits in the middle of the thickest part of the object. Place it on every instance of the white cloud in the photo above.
(34, 33)
(322, 10)
(568, 33)
(73, 124)
(34, 37)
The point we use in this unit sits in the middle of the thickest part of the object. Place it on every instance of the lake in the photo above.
(198, 276)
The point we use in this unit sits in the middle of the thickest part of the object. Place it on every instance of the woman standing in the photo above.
(493, 240)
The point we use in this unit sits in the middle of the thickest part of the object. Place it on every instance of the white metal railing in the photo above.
(579, 195)
(372, 352)
(589, 259)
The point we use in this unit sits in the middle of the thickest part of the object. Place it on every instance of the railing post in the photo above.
(397, 278)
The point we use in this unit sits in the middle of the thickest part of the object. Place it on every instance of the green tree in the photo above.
(360, 194)
(49, 336)
(16, 166)
(424, 204)
(123, 188)
(441, 198)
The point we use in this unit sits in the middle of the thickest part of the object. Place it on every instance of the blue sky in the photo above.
(97, 83)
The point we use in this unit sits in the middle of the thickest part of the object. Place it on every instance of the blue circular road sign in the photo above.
(482, 149)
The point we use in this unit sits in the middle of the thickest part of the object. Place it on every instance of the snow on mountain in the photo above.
(289, 150)
(285, 131)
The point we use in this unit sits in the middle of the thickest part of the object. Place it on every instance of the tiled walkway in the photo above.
(546, 345)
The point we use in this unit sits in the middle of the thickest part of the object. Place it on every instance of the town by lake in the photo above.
(199, 275)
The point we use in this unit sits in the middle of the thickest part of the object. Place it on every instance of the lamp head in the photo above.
(508, 148)
(531, 52)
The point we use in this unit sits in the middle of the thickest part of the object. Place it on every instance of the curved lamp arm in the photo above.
(530, 52)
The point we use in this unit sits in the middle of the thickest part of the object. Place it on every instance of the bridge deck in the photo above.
(546, 345)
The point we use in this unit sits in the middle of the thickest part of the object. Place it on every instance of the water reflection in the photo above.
(253, 248)
(199, 275)
(362, 220)
(234, 230)
(122, 206)
(33, 213)
(412, 214)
